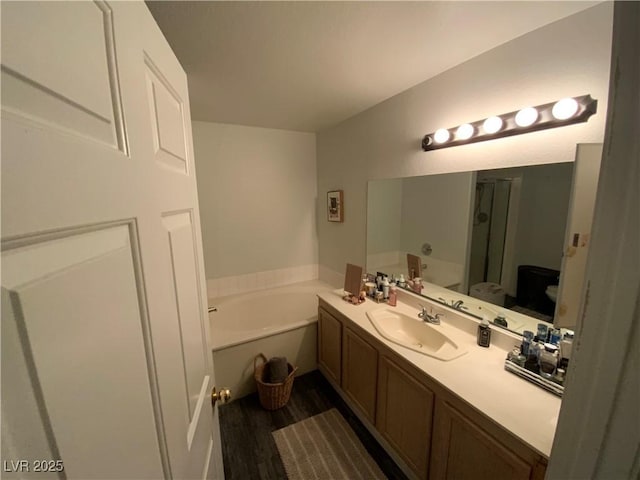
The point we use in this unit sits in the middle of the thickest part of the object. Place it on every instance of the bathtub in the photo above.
(276, 322)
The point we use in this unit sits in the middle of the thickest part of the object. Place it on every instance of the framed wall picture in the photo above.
(335, 211)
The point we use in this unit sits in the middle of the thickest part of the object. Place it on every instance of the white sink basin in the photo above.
(415, 334)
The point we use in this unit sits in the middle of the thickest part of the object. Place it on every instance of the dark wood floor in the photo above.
(248, 448)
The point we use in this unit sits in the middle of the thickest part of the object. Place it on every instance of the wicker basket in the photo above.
(272, 395)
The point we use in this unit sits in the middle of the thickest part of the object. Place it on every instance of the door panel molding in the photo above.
(204, 395)
(41, 92)
(167, 119)
(47, 266)
(189, 313)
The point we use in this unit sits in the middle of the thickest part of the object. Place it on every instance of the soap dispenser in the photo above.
(393, 295)
(484, 333)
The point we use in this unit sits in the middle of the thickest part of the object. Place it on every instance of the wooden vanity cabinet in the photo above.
(405, 411)
(466, 447)
(360, 372)
(437, 434)
(330, 346)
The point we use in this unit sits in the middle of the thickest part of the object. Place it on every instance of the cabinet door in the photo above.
(405, 412)
(329, 345)
(461, 449)
(360, 373)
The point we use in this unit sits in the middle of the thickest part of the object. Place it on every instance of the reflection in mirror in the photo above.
(496, 236)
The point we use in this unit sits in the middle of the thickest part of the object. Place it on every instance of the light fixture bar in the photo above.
(531, 119)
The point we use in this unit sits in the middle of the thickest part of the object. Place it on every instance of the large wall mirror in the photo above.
(493, 242)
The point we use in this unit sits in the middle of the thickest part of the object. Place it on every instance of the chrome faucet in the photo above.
(457, 304)
(427, 317)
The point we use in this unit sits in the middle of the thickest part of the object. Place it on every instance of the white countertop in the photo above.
(478, 377)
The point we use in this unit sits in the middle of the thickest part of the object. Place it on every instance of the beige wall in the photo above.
(436, 210)
(543, 210)
(567, 58)
(257, 191)
(384, 213)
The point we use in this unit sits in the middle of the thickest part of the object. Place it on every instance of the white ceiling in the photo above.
(310, 65)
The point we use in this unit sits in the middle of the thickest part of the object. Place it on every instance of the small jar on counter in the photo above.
(559, 376)
(548, 361)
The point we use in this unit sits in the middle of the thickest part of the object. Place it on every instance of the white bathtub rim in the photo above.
(237, 338)
(270, 333)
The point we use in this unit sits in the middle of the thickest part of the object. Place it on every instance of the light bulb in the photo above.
(565, 108)
(492, 124)
(464, 131)
(526, 116)
(441, 135)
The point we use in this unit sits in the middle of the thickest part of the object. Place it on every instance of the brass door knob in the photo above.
(224, 395)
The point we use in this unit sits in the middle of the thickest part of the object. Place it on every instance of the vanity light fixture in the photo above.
(492, 124)
(565, 108)
(465, 131)
(441, 135)
(526, 116)
(530, 119)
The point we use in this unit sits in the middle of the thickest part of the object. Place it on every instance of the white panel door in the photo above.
(106, 364)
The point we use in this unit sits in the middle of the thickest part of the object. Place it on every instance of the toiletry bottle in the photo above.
(401, 281)
(531, 363)
(554, 336)
(543, 332)
(548, 361)
(527, 339)
(566, 345)
(385, 288)
(393, 295)
(484, 333)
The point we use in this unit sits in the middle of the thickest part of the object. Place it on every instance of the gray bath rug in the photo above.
(324, 447)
